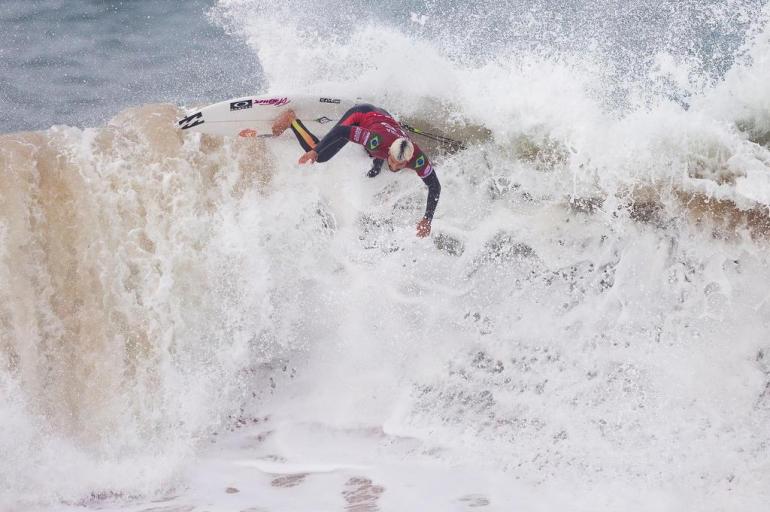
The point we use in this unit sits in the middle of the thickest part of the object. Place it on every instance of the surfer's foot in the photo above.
(376, 168)
(282, 122)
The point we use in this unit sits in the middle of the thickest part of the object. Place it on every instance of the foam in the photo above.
(590, 314)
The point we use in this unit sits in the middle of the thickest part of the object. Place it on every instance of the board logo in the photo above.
(323, 120)
(329, 100)
(276, 102)
(241, 105)
(420, 161)
(191, 120)
(248, 132)
(374, 141)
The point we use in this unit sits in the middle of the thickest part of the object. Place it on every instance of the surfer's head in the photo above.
(400, 153)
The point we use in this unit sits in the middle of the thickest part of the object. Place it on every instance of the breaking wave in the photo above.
(592, 306)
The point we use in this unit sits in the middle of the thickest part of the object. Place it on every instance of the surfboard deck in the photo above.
(253, 116)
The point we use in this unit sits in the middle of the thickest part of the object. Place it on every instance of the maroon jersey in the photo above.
(376, 132)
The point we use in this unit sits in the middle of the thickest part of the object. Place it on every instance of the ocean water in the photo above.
(80, 62)
(191, 323)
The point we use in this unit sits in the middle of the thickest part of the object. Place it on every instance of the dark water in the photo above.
(79, 62)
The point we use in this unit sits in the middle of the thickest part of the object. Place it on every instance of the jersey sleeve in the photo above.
(420, 163)
(434, 191)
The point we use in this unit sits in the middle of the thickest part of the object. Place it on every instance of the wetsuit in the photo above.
(375, 130)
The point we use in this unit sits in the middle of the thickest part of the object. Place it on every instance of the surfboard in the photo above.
(253, 116)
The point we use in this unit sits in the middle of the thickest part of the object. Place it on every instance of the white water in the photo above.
(587, 328)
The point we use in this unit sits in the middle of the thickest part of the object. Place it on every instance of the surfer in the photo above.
(382, 138)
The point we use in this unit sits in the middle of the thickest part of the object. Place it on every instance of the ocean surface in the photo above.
(80, 62)
(196, 323)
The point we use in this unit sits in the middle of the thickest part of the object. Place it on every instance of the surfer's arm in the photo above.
(434, 191)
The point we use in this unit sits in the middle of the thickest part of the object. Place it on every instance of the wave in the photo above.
(595, 284)
(114, 307)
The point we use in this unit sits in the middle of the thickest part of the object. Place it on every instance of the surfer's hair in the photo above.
(401, 150)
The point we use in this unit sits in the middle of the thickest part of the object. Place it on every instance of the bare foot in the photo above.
(282, 122)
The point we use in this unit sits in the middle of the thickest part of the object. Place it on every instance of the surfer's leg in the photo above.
(368, 107)
(353, 114)
(305, 138)
(331, 149)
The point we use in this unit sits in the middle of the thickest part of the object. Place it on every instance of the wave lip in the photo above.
(105, 263)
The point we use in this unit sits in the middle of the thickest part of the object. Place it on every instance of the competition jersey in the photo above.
(376, 132)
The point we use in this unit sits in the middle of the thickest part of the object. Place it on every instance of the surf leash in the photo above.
(432, 136)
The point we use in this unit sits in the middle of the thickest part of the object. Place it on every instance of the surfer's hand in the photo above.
(309, 157)
(423, 227)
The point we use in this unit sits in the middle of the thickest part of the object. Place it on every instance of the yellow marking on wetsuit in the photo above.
(303, 133)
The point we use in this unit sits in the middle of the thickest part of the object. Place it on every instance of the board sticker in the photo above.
(241, 105)
(191, 120)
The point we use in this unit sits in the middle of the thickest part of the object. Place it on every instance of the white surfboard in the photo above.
(253, 116)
